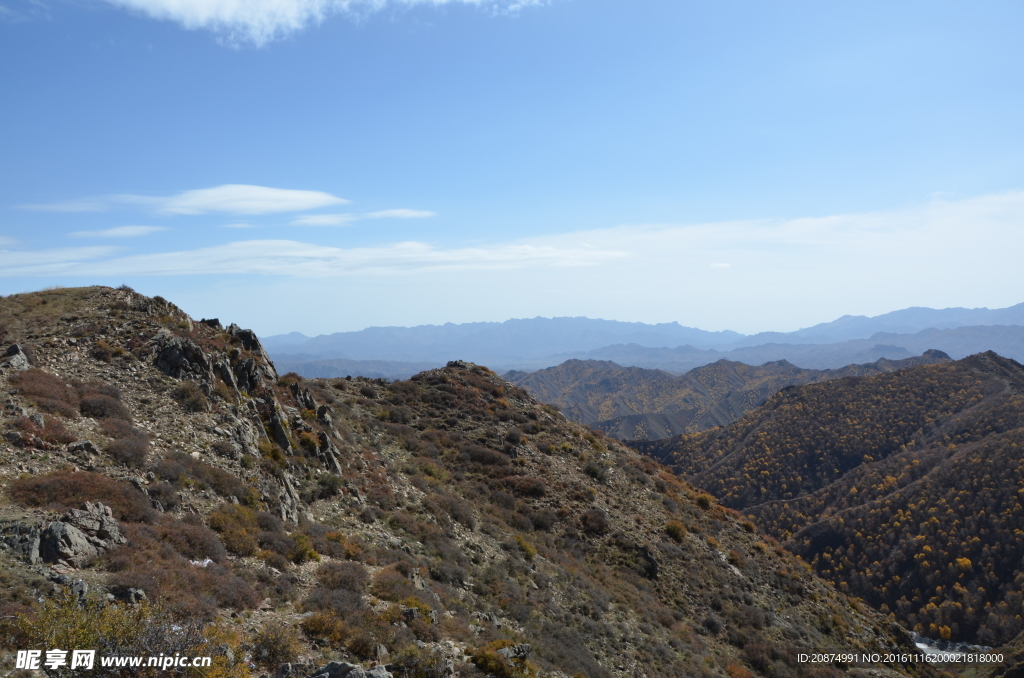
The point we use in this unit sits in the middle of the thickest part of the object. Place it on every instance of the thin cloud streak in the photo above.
(241, 199)
(304, 260)
(120, 232)
(348, 219)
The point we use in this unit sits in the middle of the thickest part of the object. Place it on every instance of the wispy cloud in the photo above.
(324, 220)
(7, 242)
(227, 199)
(303, 260)
(400, 214)
(239, 225)
(346, 219)
(120, 232)
(260, 21)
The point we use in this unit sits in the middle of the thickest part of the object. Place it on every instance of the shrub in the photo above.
(275, 644)
(191, 397)
(346, 576)
(99, 406)
(483, 455)
(104, 351)
(52, 430)
(327, 626)
(596, 471)
(488, 660)
(705, 501)
(142, 629)
(67, 489)
(390, 584)
(182, 469)
(48, 392)
(595, 522)
(130, 451)
(165, 494)
(676, 530)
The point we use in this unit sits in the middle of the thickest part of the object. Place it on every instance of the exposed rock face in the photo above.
(181, 358)
(14, 359)
(77, 537)
(263, 365)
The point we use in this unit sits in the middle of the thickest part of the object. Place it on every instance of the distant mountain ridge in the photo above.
(536, 343)
(632, 403)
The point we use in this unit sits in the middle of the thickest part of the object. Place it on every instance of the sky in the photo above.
(329, 165)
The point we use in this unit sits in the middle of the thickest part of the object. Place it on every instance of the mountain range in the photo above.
(537, 343)
(633, 403)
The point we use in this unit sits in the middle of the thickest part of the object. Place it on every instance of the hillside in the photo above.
(445, 525)
(904, 489)
(632, 403)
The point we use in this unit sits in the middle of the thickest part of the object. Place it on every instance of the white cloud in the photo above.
(120, 232)
(260, 21)
(346, 219)
(324, 220)
(719, 266)
(5, 241)
(244, 199)
(226, 199)
(400, 214)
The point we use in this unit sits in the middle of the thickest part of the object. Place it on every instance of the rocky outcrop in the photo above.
(14, 359)
(181, 358)
(76, 538)
(260, 365)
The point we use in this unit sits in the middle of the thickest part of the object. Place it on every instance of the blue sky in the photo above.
(327, 165)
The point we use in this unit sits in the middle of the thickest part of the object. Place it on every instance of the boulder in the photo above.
(14, 358)
(83, 447)
(520, 652)
(181, 357)
(63, 543)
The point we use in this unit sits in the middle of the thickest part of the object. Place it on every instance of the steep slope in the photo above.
(443, 525)
(904, 489)
(632, 403)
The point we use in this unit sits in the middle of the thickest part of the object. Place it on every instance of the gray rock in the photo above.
(303, 397)
(38, 420)
(520, 652)
(79, 588)
(181, 358)
(83, 447)
(127, 594)
(98, 523)
(15, 359)
(63, 543)
(14, 438)
(337, 670)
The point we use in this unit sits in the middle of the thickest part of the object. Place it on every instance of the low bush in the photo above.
(68, 489)
(347, 576)
(52, 430)
(595, 522)
(676, 530)
(191, 397)
(99, 406)
(130, 451)
(275, 644)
